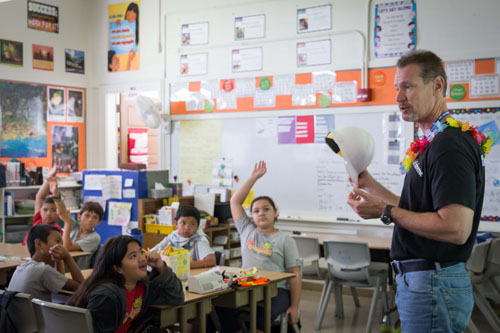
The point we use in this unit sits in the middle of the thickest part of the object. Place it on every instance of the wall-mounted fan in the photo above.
(149, 111)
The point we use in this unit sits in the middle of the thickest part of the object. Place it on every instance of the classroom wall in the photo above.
(74, 17)
(454, 29)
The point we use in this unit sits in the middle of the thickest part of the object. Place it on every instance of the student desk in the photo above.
(199, 305)
(15, 255)
(374, 243)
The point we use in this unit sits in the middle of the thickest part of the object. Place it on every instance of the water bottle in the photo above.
(137, 234)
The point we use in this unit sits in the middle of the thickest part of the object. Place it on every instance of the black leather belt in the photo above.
(401, 267)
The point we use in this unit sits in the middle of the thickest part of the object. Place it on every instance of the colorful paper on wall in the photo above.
(286, 130)
(119, 213)
(112, 187)
(324, 124)
(304, 129)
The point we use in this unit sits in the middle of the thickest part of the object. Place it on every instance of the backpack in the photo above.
(6, 323)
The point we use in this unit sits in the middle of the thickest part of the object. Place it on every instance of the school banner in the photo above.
(123, 46)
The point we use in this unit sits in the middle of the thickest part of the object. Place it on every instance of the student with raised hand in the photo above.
(265, 247)
(45, 208)
(38, 277)
(190, 237)
(119, 291)
(79, 236)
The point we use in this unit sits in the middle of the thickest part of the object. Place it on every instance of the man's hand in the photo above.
(366, 205)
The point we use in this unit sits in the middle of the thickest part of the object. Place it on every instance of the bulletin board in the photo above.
(42, 125)
(471, 80)
(307, 180)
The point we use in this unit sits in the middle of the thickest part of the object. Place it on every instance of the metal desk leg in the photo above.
(267, 309)
(253, 310)
(183, 321)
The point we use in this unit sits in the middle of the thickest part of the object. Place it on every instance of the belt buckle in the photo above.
(396, 267)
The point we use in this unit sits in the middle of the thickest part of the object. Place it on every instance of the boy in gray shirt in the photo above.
(38, 277)
(79, 236)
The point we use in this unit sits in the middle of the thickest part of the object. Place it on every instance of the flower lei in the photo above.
(418, 145)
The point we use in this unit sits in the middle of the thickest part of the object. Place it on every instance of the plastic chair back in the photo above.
(21, 312)
(493, 260)
(308, 248)
(348, 260)
(477, 260)
(58, 318)
(219, 258)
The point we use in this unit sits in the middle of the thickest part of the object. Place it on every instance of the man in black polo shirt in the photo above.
(437, 215)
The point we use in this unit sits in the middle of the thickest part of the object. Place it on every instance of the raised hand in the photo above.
(259, 170)
(53, 186)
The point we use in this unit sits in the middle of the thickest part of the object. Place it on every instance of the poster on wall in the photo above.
(11, 52)
(56, 104)
(314, 53)
(43, 17)
(245, 60)
(395, 26)
(249, 27)
(43, 57)
(75, 61)
(76, 105)
(23, 120)
(194, 34)
(65, 148)
(194, 64)
(123, 50)
(314, 19)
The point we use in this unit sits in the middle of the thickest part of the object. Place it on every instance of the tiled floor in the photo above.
(354, 318)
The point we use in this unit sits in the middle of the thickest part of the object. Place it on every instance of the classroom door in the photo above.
(130, 121)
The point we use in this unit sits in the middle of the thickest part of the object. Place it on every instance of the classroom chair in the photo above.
(219, 258)
(349, 264)
(58, 318)
(477, 269)
(20, 311)
(309, 252)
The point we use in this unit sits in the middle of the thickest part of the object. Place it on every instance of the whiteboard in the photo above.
(307, 181)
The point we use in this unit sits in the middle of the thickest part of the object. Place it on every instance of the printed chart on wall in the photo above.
(394, 30)
(488, 122)
(306, 179)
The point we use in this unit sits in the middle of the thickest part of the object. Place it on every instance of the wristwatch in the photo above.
(386, 215)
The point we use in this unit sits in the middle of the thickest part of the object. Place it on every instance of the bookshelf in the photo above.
(23, 213)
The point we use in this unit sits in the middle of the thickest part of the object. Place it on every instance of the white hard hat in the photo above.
(355, 145)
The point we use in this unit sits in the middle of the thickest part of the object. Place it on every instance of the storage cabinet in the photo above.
(15, 221)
